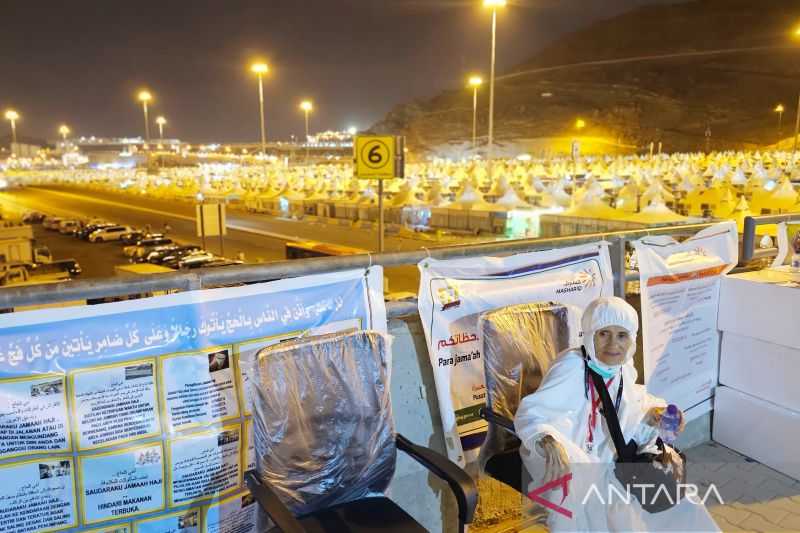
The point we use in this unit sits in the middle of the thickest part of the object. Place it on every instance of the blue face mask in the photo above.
(607, 373)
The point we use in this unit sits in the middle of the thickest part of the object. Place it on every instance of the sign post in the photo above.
(379, 158)
(211, 222)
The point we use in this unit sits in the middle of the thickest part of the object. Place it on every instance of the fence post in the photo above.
(617, 252)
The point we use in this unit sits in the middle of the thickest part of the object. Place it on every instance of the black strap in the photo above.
(609, 413)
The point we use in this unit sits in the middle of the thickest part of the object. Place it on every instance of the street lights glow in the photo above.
(779, 109)
(580, 124)
(493, 5)
(12, 116)
(307, 106)
(259, 69)
(145, 97)
(352, 130)
(475, 82)
(161, 121)
(64, 131)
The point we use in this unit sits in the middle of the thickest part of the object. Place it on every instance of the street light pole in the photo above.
(490, 146)
(475, 82)
(307, 106)
(144, 98)
(12, 117)
(161, 121)
(260, 69)
(796, 131)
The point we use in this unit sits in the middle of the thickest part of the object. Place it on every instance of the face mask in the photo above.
(607, 373)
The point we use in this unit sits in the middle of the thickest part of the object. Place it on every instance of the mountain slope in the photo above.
(666, 73)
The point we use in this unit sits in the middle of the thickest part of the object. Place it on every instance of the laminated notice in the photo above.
(204, 465)
(235, 514)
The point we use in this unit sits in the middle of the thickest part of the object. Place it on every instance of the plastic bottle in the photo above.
(670, 423)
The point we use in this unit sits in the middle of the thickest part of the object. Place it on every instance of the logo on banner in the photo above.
(449, 297)
(585, 279)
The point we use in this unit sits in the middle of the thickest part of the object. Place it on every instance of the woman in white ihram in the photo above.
(562, 434)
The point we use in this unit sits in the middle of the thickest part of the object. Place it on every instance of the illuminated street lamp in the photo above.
(307, 107)
(259, 69)
(475, 82)
(779, 110)
(145, 97)
(493, 5)
(580, 124)
(64, 131)
(161, 121)
(12, 116)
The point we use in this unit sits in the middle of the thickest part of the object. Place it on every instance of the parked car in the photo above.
(88, 229)
(142, 252)
(129, 251)
(68, 227)
(168, 255)
(155, 255)
(70, 266)
(33, 217)
(196, 260)
(132, 237)
(112, 233)
(51, 223)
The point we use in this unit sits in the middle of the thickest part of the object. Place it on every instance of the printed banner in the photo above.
(680, 299)
(454, 293)
(135, 416)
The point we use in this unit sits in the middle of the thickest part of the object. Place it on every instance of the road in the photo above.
(260, 238)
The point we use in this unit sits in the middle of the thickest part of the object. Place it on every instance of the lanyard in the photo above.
(596, 406)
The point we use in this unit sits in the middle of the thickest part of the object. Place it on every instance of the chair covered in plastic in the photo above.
(325, 440)
(519, 344)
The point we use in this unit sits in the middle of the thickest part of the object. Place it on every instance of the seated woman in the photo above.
(563, 432)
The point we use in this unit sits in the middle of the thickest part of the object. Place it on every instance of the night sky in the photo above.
(81, 62)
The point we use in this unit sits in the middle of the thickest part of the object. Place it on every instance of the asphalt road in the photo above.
(260, 238)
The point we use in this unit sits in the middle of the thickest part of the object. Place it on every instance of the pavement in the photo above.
(754, 497)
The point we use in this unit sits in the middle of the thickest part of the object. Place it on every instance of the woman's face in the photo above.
(611, 344)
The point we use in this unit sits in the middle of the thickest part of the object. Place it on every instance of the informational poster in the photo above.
(33, 415)
(122, 483)
(454, 293)
(236, 514)
(133, 416)
(38, 495)
(680, 298)
(205, 465)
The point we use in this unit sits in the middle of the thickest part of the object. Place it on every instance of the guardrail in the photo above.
(11, 297)
(749, 251)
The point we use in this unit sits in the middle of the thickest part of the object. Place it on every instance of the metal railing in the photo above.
(11, 297)
(749, 251)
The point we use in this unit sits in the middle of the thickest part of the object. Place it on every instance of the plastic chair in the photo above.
(325, 440)
(519, 344)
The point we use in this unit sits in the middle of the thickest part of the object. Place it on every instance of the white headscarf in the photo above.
(605, 312)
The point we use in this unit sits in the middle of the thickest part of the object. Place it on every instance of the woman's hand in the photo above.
(653, 418)
(557, 460)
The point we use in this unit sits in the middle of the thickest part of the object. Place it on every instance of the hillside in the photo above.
(721, 65)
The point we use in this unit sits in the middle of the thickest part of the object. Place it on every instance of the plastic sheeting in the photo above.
(324, 431)
(519, 344)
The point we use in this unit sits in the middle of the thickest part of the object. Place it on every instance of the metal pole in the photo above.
(489, 147)
(13, 131)
(475, 119)
(796, 131)
(202, 225)
(263, 130)
(161, 131)
(380, 216)
(306, 136)
(219, 224)
(146, 123)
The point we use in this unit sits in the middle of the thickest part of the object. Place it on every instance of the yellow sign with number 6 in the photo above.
(375, 157)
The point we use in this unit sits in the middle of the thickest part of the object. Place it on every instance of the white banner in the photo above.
(454, 293)
(680, 299)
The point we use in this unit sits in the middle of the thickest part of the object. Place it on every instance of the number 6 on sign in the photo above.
(378, 157)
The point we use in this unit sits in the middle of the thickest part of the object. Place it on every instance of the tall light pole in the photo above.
(475, 82)
(145, 97)
(796, 35)
(12, 116)
(307, 106)
(779, 110)
(64, 131)
(259, 69)
(161, 121)
(493, 4)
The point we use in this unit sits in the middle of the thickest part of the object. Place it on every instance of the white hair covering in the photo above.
(605, 312)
